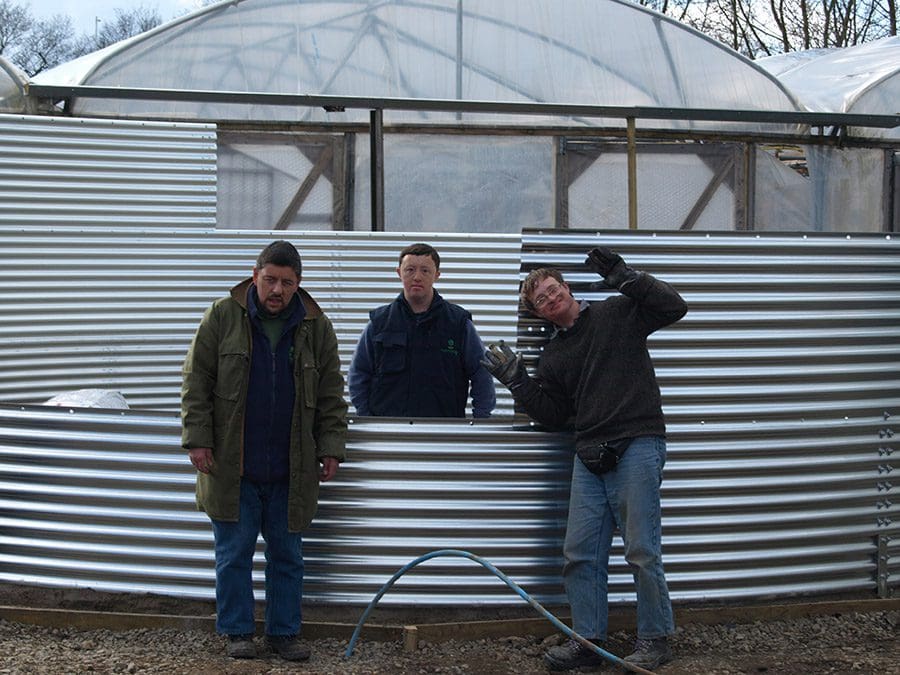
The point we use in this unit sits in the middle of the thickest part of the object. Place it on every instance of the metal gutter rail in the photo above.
(340, 103)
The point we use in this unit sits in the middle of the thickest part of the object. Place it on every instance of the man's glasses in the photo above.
(551, 292)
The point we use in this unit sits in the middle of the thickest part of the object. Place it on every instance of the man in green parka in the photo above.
(264, 421)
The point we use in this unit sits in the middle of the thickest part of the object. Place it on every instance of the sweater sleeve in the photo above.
(545, 400)
(331, 409)
(359, 377)
(484, 397)
(659, 304)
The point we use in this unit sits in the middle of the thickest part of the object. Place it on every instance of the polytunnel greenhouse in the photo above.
(139, 183)
(860, 79)
(467, 95)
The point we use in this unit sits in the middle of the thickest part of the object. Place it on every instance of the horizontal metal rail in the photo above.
(339, 103)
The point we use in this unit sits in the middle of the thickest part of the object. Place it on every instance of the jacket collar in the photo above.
(436, 302)
(239, 293)
(558, 331)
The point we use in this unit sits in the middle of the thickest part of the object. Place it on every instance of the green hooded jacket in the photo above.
(216, 374)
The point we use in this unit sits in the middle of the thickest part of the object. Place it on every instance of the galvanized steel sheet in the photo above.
(106, 174)
(105, 500)
(118, 309)
(780, 388)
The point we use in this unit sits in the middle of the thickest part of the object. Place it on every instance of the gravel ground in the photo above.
(842, 643)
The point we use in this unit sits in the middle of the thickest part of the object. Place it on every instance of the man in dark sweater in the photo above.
(596, 370)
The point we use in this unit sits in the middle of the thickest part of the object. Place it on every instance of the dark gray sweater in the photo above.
(600, 372)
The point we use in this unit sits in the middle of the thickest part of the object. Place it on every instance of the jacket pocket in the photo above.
(310, 378)
(232, 374)
(390, 352)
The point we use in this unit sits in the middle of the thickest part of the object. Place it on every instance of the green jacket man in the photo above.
(264, 421)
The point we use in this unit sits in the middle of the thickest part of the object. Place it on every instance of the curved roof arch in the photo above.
(12, 83)
(588, 52)
(863, 79)
(778, 64)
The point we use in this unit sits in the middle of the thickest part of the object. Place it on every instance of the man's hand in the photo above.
(329, 469)
(608, 265)
(504, 364)
(202, 459)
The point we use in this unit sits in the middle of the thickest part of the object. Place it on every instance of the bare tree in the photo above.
(677, 9)
(885, 16)
(757, 28)
(15, 21)
(36, 45)
(47, 44)
(125, 23)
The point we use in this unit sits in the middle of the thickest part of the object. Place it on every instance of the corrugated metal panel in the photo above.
(780, 388)
(105, 500)
(117, 310)
(888, 566)
(82, 173)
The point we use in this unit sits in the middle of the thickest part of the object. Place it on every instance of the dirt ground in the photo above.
(833, 635)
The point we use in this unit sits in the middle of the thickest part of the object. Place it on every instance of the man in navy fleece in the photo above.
(420, 355)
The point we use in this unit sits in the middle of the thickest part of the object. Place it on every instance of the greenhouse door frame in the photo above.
(330, 156)
(729, 161)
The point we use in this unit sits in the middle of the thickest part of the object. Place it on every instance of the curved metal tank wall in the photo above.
(105, 500)
(780, 388)
(117, 309)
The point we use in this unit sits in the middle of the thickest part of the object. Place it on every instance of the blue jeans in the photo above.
(263, 510)
(626, 498)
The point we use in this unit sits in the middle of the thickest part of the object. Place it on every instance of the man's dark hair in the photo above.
(422, 249)
(281, 253)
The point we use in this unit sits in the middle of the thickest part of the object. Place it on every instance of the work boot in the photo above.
(241, 647)
(650, 653)
(288, 647)
(572, 654)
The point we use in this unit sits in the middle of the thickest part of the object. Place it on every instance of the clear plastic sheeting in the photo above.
(259, 180)
(605, 52)
(864, 79)
(820, 189)
(809, 188)
(433, 183)
(89, 398)
(841, 203)
(778, 64)
(599, 197)
(459, 183)
(784, 195)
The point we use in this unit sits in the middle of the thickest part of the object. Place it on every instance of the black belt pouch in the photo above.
(600, 459)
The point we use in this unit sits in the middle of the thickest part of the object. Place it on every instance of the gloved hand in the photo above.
(504, 364)
(609, 265)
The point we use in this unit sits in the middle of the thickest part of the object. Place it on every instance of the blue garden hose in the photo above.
(505, 579)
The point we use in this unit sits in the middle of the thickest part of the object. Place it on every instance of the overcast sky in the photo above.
(85, 12)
